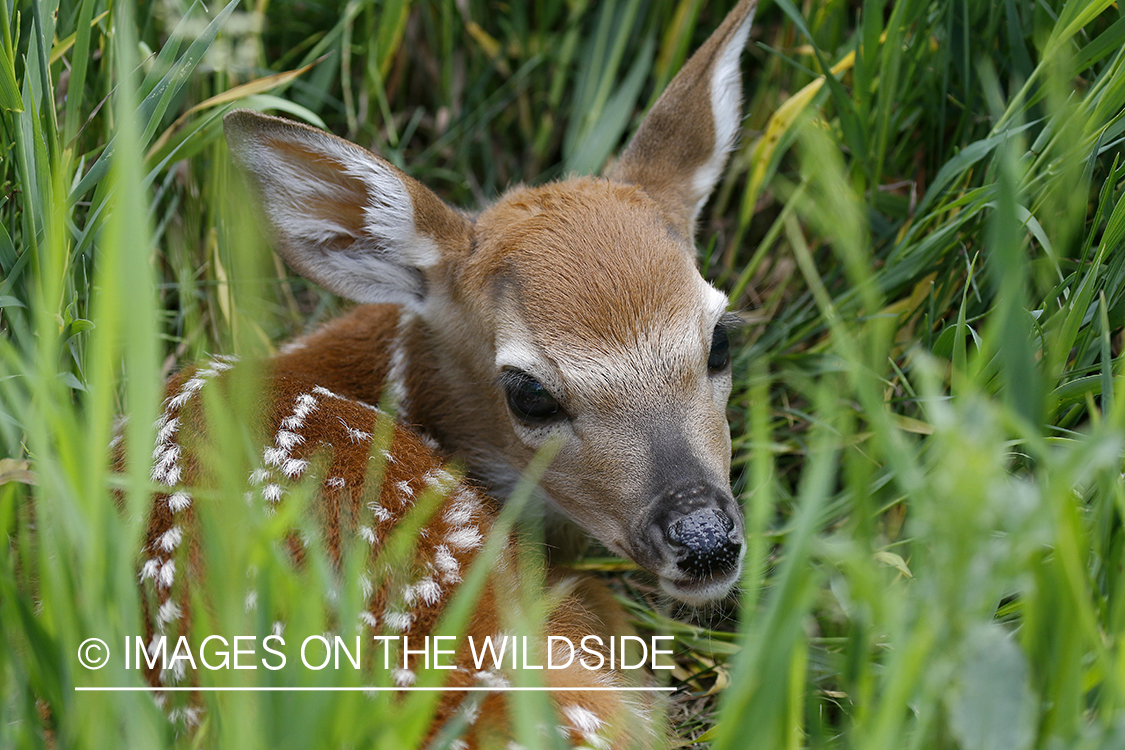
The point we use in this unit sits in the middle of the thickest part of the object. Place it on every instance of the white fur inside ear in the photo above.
(389, 215)
(344, 217)
(726, 112)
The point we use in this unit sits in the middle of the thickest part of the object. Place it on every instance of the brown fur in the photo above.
(631, 286)
(357, 345)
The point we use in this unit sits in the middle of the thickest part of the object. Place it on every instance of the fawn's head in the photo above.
(570, 312)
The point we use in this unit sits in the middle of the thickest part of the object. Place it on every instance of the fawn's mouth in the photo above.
(700, 591)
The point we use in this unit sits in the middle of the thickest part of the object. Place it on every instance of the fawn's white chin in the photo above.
(698, 593)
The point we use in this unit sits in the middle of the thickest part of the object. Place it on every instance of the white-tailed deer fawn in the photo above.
(572, 312)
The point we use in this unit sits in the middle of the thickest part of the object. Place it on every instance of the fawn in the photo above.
(570, 313)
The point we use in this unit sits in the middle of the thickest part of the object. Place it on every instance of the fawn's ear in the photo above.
(341, 216)
(681, 146)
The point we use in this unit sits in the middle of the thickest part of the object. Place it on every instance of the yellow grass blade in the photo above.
(257, 86)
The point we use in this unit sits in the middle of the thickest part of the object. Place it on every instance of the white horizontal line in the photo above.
(284, 689)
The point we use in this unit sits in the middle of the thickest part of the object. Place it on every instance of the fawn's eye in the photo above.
(528, 399)
(719, 358)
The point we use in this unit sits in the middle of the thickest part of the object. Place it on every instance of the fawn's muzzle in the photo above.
(697, 533)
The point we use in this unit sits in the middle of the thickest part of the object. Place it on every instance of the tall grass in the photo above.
(928, 418)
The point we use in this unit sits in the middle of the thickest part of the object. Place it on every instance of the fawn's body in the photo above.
(366, 489)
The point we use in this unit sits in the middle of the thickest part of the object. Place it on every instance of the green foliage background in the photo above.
(928, 417)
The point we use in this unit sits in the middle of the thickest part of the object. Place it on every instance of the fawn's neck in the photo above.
(437, 380)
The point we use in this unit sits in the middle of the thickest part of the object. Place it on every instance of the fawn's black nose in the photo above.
(703, 540)
(699, 528)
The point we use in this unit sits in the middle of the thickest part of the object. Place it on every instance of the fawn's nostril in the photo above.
(704, 539)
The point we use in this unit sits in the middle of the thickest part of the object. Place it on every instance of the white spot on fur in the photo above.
(381, 514)
(335, 483)
(167, 574)
(166, 430)
(439, 478)
(286, 439)
(294, 467)
(169, 611)
(295, 345)
(171, 538)
(447, 564)
(582, 719)
(461, 510)
(166, 470)
(189, 716)
(368, 619)
(492, 678)
(150, 569)
(587, 723)
(178, 501)
(470, 709)
(399, 621)
(466, 538)
(355, 435)
(405, 677)
(426, 589)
